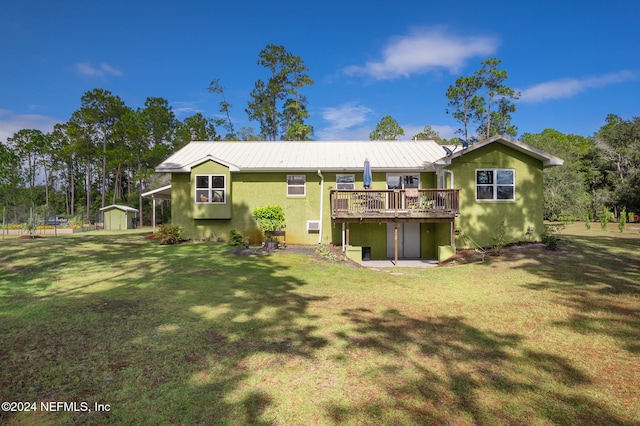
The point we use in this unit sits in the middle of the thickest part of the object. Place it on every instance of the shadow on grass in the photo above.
(599, 278)
(444, 371)
(161, 337)
(175, 335)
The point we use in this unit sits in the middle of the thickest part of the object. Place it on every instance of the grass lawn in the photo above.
(188, 334)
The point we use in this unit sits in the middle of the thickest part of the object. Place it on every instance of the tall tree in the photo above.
(11, 179)
(194, 128)
(65, 163)
(387, 129)
(101, 110)
(498, 107)
(225, 107)
(81, 134)
(28, 144)
(278, 104)
(485, 100)
(159, 125)
(465, 103)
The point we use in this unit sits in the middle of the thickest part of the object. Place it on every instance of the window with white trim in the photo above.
(495, 185)
(211, 189)
(296, 185)
(345, 181)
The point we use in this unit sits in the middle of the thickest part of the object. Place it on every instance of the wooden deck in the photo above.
(422, 205)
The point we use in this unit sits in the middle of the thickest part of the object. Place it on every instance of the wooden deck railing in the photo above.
(395, 203)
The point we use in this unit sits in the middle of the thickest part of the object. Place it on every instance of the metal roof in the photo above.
(163, 193)
(331, 156)
(290, 156)
(120, 207)
(547, 159)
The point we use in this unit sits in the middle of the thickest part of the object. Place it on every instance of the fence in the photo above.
(41, 220)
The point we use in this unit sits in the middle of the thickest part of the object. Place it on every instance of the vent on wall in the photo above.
(313, 225)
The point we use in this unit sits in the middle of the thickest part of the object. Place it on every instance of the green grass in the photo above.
(188, 334)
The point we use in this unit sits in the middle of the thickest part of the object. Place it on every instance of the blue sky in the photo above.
(574, 61)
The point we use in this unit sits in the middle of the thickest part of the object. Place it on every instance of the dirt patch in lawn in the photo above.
(466, 256)
(29, 237)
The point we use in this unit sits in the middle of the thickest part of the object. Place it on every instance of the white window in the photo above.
(495, 185)
(296, 185)
(345, 181)
(211, 189)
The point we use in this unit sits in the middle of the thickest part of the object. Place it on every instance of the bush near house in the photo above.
(269, 218)
(168, 234)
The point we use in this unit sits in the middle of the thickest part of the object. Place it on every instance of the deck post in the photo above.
(343, 237)
(453, 233)
(153, 215)
(395, 244)
(348, 238)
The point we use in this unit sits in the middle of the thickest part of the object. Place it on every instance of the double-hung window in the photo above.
(296, 185)
(211, 189)
(495, 185)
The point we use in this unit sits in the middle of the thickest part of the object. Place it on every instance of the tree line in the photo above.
(600, 175)
(106, 152)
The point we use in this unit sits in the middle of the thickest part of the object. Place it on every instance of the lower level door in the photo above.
(408, 240)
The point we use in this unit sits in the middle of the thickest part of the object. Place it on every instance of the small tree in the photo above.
(623, 220)
(604, 219)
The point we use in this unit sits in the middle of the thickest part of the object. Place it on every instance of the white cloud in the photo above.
(425, 50)
(569, 87)
(12, 123)
(181, 108)
(86, 68)
(343, 122)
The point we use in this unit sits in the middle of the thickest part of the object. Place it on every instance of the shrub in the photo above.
(550, 241)
(236, 239)
(587, 222)
(499, 239)
(548, 237)
(168, 234)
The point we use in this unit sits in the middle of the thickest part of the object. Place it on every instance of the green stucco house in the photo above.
(421, 201)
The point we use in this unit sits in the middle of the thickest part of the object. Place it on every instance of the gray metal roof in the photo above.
(290, 156)
(331, 156)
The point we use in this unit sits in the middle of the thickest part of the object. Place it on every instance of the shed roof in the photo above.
(120, 207)
(329, 156)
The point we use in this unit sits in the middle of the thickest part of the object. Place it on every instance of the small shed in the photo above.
(117, 217)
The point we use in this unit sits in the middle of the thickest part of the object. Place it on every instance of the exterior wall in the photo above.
(246, 191)
(481, 220)
(116, 219)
